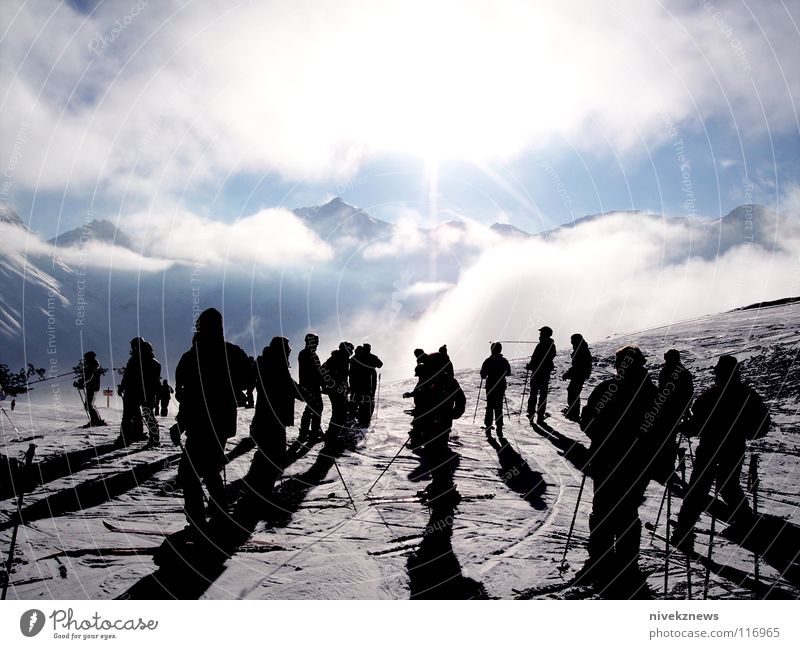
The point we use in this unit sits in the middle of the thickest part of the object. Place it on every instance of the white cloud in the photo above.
(618, 274)
(269, 238)
(189, 93)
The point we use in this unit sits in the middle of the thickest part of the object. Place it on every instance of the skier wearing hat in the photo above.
(208, 379)
(725, 417)
(133, 393)
(541, 366)
(675, 391)
(613, 419)
(494, 371)
(89, 380)
(311, 385)
(334, 373)
(277, 393)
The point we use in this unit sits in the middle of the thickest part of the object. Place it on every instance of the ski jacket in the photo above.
(581, 363)
(541, 363)
(615, 419)
(494, 371)
(208, 379)
(308, 368)
(276, 390)
(726, 417)
(675, 390)
(91, 375)
(334, 373)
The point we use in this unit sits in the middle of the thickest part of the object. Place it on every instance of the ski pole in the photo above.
(83, 402)
(660, 509)
(378, 398)
(564, 565)
(752, 478)
(480, 387)
(668, 491)
(49, 378)
(710, 542)
(524, 390)
(352, 502)
(16, 430)
(388, 465)
(18, 518)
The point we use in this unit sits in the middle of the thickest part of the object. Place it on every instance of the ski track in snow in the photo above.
(505, 538)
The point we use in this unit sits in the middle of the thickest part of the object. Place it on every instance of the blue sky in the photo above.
(513, 112)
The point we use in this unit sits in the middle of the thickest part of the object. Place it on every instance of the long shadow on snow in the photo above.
(103, 488)
(517, 474)
(186, 570)
(433, 569)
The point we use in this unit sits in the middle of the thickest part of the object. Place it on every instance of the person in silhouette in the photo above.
(578, 373)
(360, 388)
(276, 393)
(132, 389)
(208, 379)
(540, 367)
(89, 380)
(334, 373)
(613, 418)
(373, 363)
(448, 365)
(311, 384)
(494, 371)
(151, 386)
(725, 417)
(675, 391)
(165, 396)
(438, 401)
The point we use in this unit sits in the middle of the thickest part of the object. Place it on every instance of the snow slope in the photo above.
(504, 540)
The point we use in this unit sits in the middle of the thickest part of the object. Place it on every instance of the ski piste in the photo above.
(730, 573)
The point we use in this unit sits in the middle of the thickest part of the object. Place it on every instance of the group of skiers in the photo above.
(633, 423)
(144, 394)
(634, 426)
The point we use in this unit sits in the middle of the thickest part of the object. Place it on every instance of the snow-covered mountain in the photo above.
(97, 230)
(73, 292)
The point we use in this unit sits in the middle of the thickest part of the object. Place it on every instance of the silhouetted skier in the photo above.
(578, 373)
(360, 388)
(334, 372)
(165, 396)
(613, 419)
(494, 371)
(363, 383)
(725, 417)
(137, 392)
(311, 384)
(675, 391)
(277, 393)
(151, 383)
(374, 364)
(89, 380)
(541, 366)
(208, 379)
(438, 400)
